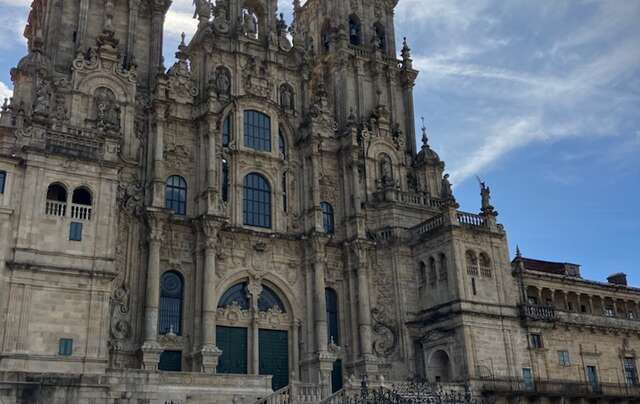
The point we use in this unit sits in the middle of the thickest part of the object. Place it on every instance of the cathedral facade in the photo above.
(258, 217)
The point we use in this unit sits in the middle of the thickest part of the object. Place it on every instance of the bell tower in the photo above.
(357, 61)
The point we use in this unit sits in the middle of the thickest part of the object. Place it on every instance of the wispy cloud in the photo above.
(508, 88)
(5, 91)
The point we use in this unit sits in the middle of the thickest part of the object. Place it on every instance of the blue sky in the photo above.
(539, 98)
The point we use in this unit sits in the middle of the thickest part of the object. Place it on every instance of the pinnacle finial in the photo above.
(182, 36)
(518, 252)
(425, 139)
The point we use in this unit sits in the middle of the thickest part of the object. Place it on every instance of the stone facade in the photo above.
(259, 215)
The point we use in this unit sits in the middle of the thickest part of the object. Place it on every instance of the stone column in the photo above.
(360, 263)
(295, 350)
(5, 235)
(158, 178)
(320, 304)
(209, 352)
(151, 349)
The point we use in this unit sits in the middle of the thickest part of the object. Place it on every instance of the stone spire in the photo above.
(425, 139)
(407, 62)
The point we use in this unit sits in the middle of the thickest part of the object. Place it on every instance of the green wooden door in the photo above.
(233, 342)
(274, 356)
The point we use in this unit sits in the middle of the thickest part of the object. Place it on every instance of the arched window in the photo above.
(81, 202)
(236, 294)
(485, 265)
(355, 30)
(282, 145)
(444, 273)
(257, 131)
(171, 297)
(472, 263)
(257, 201)
(327, 217)
(225, 180)
(285, 195)
(175, 195)
(226, 131)
(56, 200)
(422, 275)
(333, 327)
(380, 36)
(268, 300)
(433, 273)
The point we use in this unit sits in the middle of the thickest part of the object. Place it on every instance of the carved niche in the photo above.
(107, 109)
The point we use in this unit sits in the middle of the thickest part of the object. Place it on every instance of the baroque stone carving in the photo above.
(386, 335)
(107, 111)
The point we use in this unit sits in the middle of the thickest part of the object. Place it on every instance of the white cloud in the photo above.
(5, 92)
(177, 22)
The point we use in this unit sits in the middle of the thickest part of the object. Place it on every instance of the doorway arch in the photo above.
(439, 368)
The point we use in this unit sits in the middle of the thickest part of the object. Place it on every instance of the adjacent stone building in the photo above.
(258, 217)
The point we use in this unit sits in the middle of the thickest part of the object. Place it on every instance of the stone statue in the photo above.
(223, 81)
(286, 98)
(107, 111)
(41, 103)
(485, 193)
(447, 192)
(250, 24)
(203, 9)
(386, 170)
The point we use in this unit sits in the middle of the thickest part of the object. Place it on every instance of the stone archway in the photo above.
(439, 368)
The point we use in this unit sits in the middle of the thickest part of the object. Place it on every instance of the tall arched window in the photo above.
(472, 263)
(282, 145)
(285, 194)
(355, 30)
(327, 217)
(443, 274)
(175, 195)
(485, 265)
(333, 325)
(226, 131)
(433, 273)
(422, 275)
(257, 131)
(56, 200)
(380, 36)
(171, 297)
(257, 201)
(225, 180)
(81, 202)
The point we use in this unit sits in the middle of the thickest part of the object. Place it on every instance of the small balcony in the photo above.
(537, 312)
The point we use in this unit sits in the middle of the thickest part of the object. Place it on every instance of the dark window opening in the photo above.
(81, 196)
(170, 361)
(285, 201)
(536, 341)
(268, 300)
(630, 371)
(355, 31)
(473, 286)
(381, 36)
(226, 131)
(56, 192)
(171, 298)
(282, 146)
(333, 325)
(175, 195)
(3, 180)
(225, 180)
(257, 201)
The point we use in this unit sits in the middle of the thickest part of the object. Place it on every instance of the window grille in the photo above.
(171, 299)
(257, 131)
(331, 298)
(175, 195)
(327, 218)
(630, 371)
(257, 201)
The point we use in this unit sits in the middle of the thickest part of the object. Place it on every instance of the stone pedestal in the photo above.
(151, 351)
(324, 362)
(209, 357)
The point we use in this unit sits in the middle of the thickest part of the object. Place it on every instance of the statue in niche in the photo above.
(250, 24)
(221, 16)
(42, 99)
(386, 169)
(107, 110)
(286, 98)
(223, 81)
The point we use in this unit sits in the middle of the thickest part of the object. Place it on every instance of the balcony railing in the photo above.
(55, 208)
(80, 212)
(539, 312)
(428, 226)
(560, 388)
(471, 219)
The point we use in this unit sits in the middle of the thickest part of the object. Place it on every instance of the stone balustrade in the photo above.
(56, 208)
(471, 219)
(81, 212)
(538, 312)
